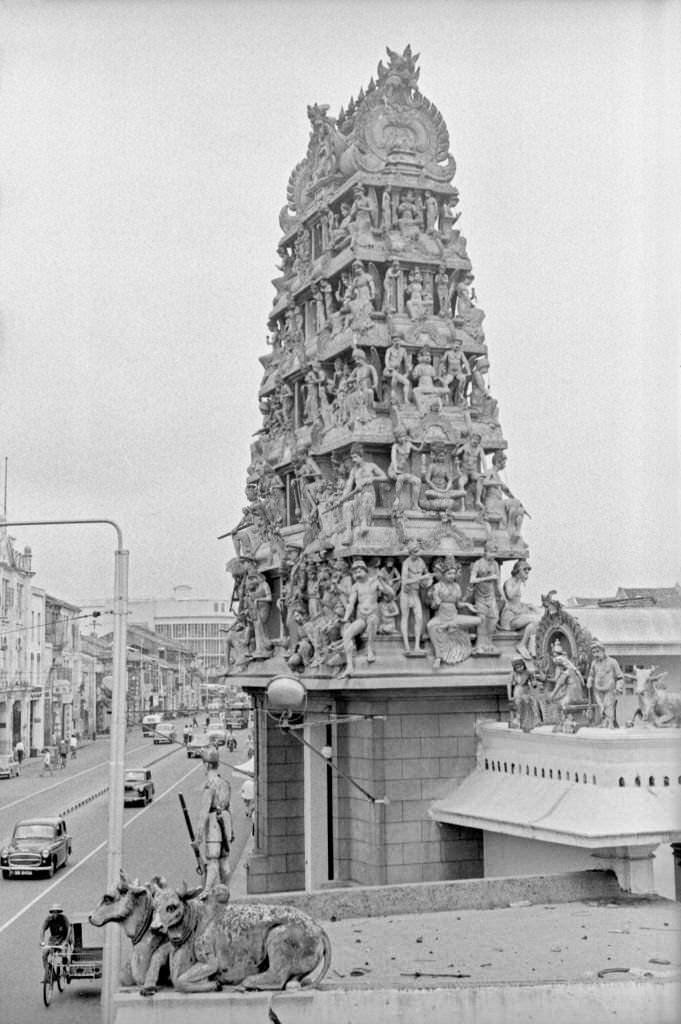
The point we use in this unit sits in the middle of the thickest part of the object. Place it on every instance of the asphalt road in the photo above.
(155, 842)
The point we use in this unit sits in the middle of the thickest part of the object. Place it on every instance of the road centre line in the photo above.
(55, 785)
(88, 856)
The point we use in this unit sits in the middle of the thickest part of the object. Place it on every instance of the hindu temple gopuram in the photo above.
(380, 559)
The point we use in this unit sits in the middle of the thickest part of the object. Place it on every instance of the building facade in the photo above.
(20, 651)
(197, 624)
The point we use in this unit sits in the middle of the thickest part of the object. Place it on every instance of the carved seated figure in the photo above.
(522, 690)
(568, 694)
(517, 615)
(428, 395)
(439, 491)
(447, 628)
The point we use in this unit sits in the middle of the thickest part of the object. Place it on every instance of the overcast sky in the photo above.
(145, 156)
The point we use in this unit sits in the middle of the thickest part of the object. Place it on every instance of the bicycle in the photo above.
(54, 972)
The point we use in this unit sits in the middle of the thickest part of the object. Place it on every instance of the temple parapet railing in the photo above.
(642, 757)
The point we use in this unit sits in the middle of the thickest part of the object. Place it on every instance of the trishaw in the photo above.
(74, 961)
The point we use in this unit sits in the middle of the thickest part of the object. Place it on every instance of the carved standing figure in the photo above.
(455, 371)
(400, 469)
(471, 316)
(415, 304)
(391, 288)
(431, 211)
(484, 585)
(442, 291)
(472, 458)
(415, 577)
(606, 682)
(396, 370)
(364, 382)
(363, 606)
(359, 495)
(362, 294)
(259, 602)
(386, 209)
(215, 822)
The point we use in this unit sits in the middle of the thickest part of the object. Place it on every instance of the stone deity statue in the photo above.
(362, 612)
(400, 469)
(447, 627)
(431, 212)
(396, 370)
(606, 682)
(522, 689)
(455, 371)
(517, 615)
(359, 495)
(440, 492)
(391, 288)
(442, 291)
(415, 577)
(484, 586)
(259, 602)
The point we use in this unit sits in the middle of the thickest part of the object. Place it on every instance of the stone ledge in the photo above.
(629, 1001)
(468, 894)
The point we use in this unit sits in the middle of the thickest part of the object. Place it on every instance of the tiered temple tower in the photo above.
(370, 559)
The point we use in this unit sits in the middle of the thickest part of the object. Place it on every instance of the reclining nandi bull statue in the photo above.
(207, 943)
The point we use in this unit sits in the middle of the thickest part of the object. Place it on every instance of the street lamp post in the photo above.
(117, 749)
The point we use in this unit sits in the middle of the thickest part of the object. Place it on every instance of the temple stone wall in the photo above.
(426, 741)
(280, 863)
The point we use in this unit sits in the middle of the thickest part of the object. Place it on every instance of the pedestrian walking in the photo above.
(47, 761)
(187, 733)
(19, 751)
(74, 746)
(63, 751)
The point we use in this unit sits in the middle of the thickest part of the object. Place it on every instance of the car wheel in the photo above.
(51, 870)
(6, 875)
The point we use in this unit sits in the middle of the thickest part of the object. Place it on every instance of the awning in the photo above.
(563, 812)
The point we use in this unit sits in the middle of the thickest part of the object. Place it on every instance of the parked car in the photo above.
(217, 734)
(165, 733)
(37, 845)
(9, 767)
(197, 744)
(149, 723)
(139, 786)
(169, 716)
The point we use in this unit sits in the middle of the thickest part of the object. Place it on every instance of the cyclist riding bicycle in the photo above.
(57, 928)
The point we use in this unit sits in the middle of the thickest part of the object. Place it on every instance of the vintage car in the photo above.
(139, 787)
(165, 733)
(217, 734)
(197, 744)
(9, 766)
(37, 845)
(150, 723)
